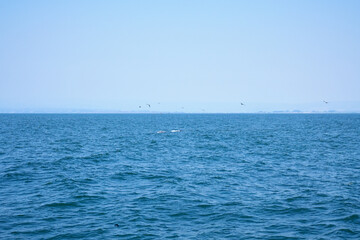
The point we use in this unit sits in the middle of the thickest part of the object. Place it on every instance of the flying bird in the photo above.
(148, 105)
(325, 102)
(242, 104)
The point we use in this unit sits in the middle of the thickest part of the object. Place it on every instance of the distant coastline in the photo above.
(154, 112)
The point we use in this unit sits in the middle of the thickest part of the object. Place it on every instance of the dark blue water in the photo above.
(220, 177)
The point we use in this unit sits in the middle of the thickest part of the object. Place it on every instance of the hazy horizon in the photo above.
(198, 108)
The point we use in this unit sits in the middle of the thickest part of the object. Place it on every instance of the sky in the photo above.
(179, 56)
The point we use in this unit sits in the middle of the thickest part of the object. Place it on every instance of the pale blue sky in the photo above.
(212, 55)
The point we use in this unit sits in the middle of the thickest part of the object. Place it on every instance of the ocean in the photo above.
(222, 176)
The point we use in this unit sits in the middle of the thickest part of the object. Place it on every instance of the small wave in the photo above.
(123, 175)
(229, 204)
(50, 219)
(17, 175)
(64, 159)
(96, 156)
(179, 214)
(296, 198)
(88, 197)
(23, 216)
(33, 232)
(351, 218)
(69, 236)
(143, 199)
(341, 231)
(61, 204)
(325, 225)
(126, 236)
(287, 210)
(204, 205)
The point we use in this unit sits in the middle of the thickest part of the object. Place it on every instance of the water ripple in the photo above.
(221, 177)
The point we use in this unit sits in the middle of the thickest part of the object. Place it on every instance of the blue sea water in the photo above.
(223, 176)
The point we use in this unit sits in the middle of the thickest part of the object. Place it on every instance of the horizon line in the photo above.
(258, 112)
